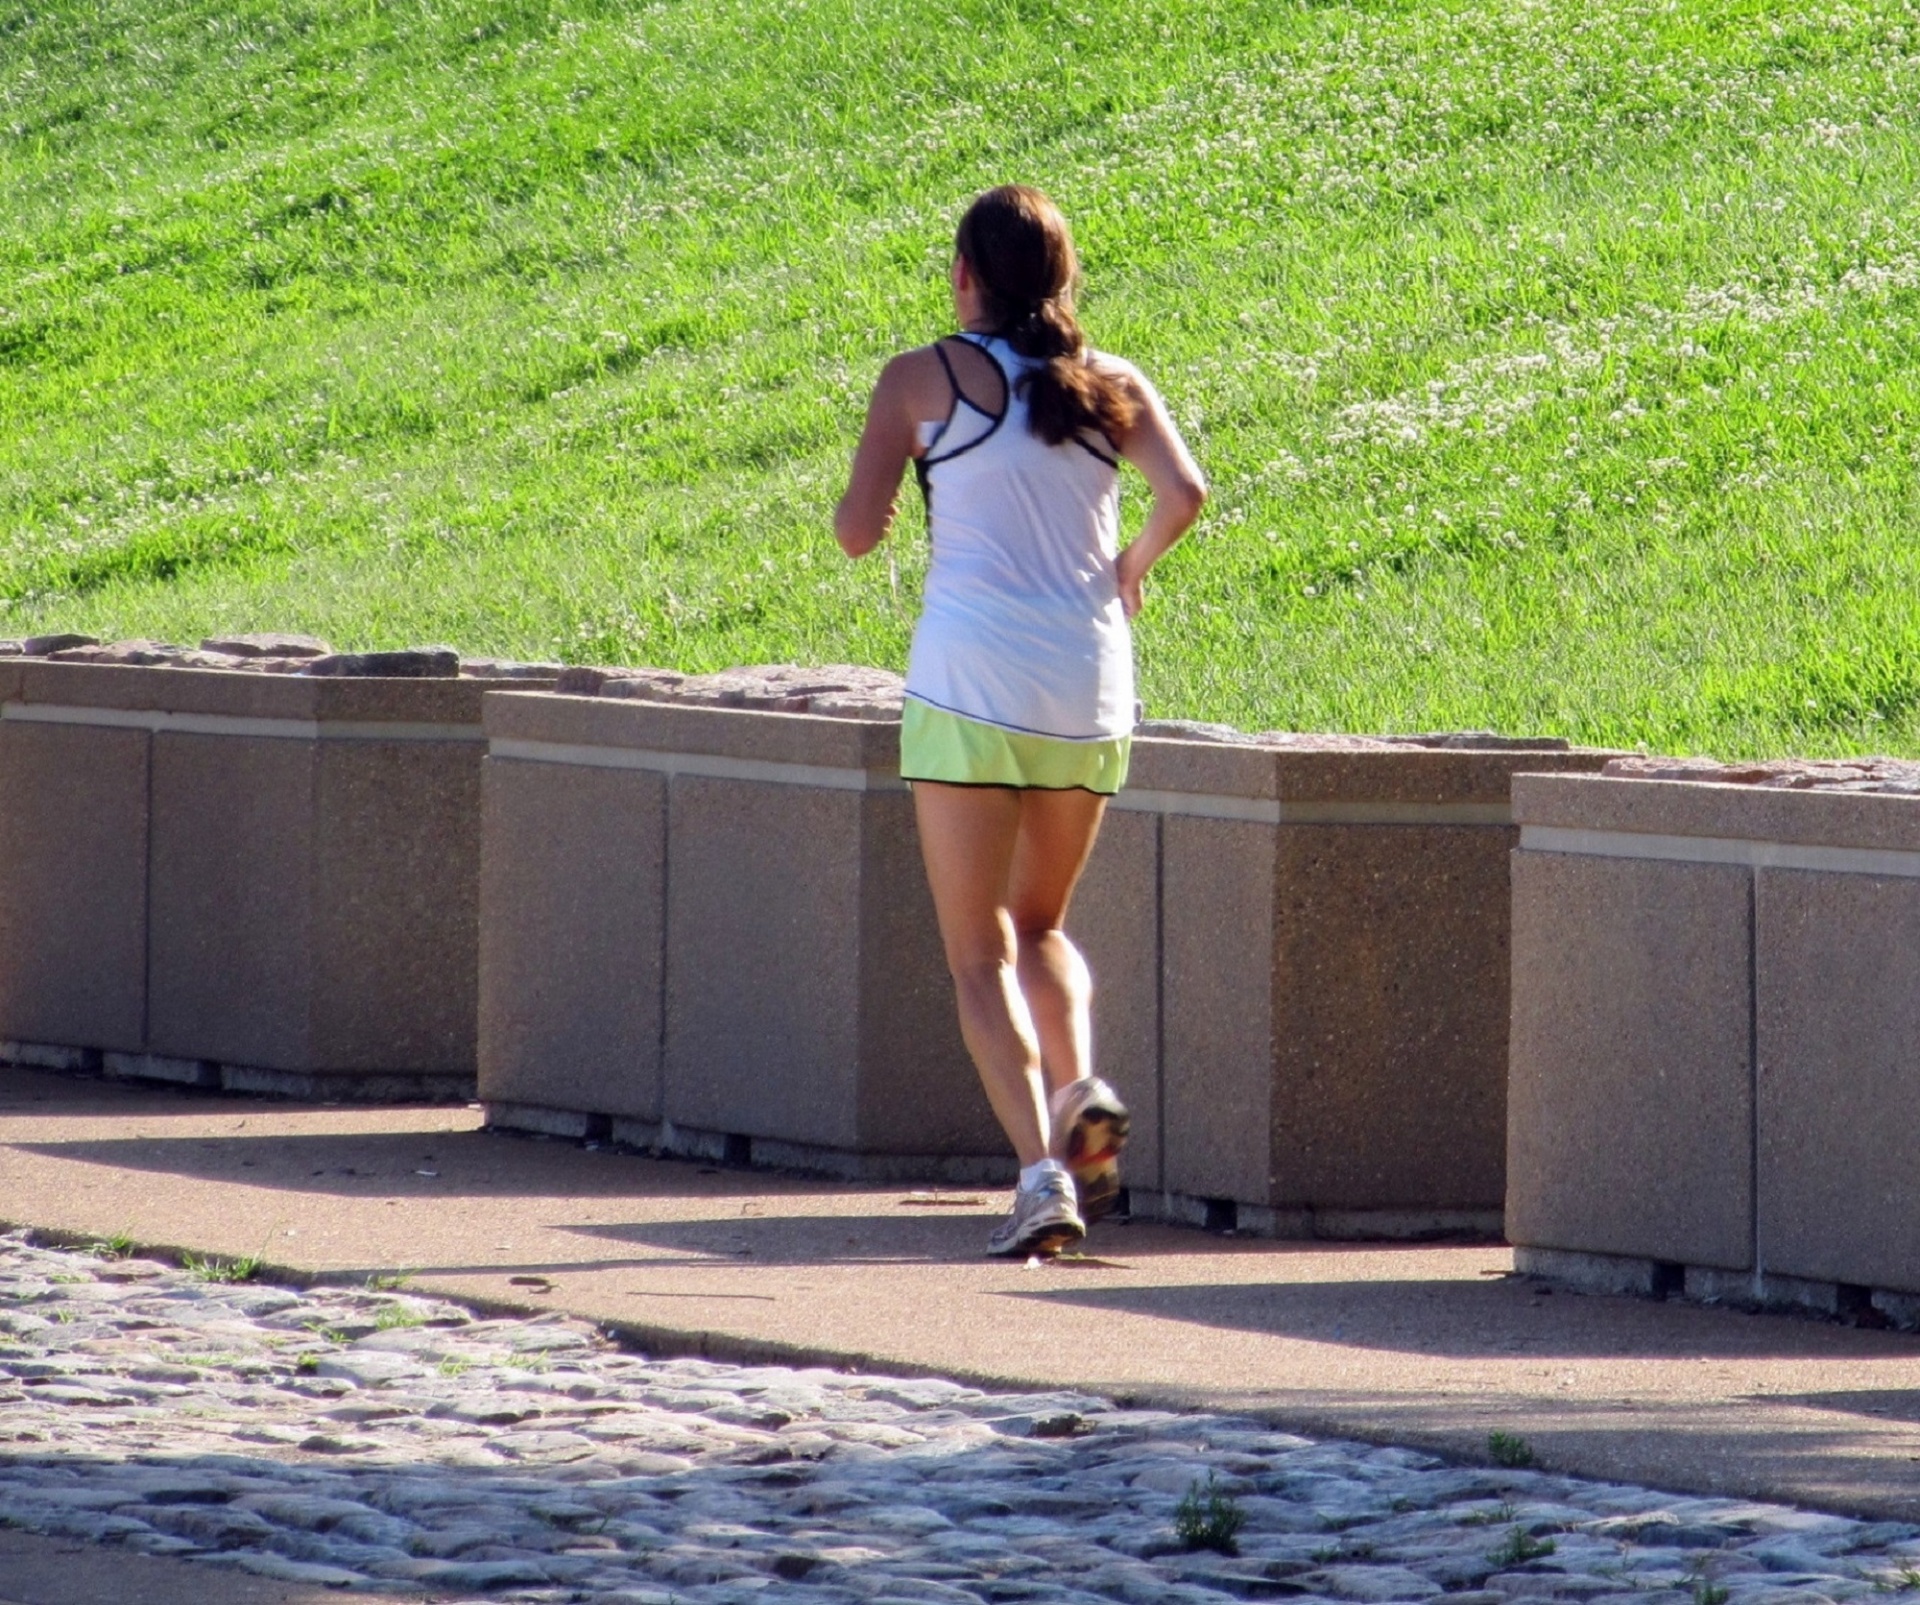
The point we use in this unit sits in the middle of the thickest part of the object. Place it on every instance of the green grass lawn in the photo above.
(1557, 367)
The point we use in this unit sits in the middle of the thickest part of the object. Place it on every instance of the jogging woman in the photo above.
(1020, 702)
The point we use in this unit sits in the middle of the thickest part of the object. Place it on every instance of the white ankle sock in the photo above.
(1031, 1176)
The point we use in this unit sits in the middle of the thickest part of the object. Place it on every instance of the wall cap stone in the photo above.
(1304, 782)
(1625, 816)
(568, 724)
(69, 692)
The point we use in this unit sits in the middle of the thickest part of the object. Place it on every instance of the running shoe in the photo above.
(1043, 1219)
(1090, 1126)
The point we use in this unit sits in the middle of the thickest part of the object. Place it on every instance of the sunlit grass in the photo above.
(1555, 367)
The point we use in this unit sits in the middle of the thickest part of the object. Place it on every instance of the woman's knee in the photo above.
(1051, 947)
(980, 968)
(1043, 934)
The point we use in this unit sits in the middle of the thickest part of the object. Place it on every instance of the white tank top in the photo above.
(1022, 625)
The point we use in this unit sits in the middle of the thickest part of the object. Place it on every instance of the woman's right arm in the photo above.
(865, 512)
(1153, 445)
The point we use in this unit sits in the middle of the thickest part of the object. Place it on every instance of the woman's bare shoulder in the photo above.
(913, 380)
(913, 371)
(922, 359)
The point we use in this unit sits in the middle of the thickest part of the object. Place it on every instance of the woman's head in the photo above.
(1016, 246)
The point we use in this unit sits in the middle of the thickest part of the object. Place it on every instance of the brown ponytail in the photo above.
(1017, 244)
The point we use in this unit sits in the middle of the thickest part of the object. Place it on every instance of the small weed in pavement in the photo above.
(1501, 1515)
(213, 1269)
(1506, 1449)
(1520, 1548)
(1208, 1517)
(388, 1281)
(118, 1246)
(1703, 1589)
(397, 1315)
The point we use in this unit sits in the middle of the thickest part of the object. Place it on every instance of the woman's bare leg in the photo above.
(1057, 831)
(968, 836)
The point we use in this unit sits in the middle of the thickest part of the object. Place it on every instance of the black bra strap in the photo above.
(953, 382)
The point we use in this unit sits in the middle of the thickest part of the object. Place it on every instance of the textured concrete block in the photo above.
(572, 938)
(1217, 901)
(315, 903)
(1335, 939)
(1630, 1098)
(808, 999)
(1829, 856)
(763, 959)
(808, 1011)
(807, 996)
(232, 933)
(1115, 922)
(918, 1092)
(1838, 973)
(396, 868)
(1390, 953)
(311, 861)
(73, 885)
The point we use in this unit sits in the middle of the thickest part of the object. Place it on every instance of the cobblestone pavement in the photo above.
(373, 1440)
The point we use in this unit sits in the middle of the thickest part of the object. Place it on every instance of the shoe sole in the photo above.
(1093, 1157)
(1045, 1241)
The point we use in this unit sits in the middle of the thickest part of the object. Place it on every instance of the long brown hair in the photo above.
(1016, 242)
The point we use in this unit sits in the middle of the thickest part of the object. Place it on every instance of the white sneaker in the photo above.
(1043, 1219)
(1090, 1126)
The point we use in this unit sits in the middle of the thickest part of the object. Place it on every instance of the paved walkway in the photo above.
(369, 1439)
(1426, 1346)
(39, 1570)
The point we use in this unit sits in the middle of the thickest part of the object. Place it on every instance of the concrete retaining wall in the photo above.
(1333, 979)
(265, 882)
(1300, 951)
(761, 976)
(1716, 1035)
(672, 919)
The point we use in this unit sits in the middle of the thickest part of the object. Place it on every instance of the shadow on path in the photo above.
(1494, 1318)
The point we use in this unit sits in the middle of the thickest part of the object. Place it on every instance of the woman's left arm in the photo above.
(1153, 445)
(865, 512)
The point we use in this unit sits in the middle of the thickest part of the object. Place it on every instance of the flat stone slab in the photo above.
(275, 653)
(1433, 1346)
(840, 690)
(1898, 776)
